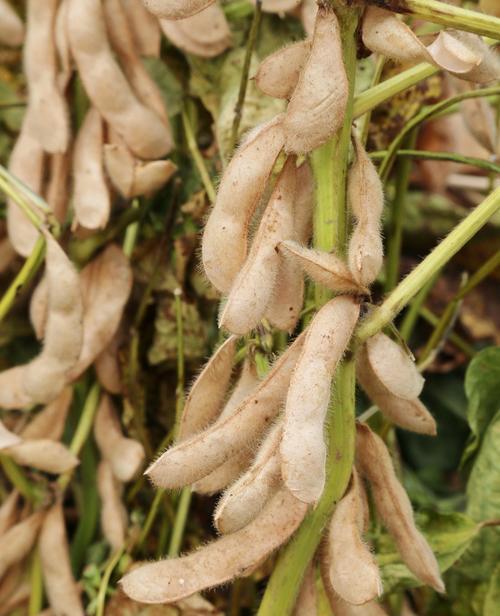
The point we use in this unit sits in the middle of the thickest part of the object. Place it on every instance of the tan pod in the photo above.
(11, 26)
(278, 74)
(7, 438)
(18, 541)
(113, 513)
(394, 507)
(176, 9)
(222, 560)
(307, 601)
(144, 26)
(8, 511)
(49, 423)
(303, 449)
(44, 455)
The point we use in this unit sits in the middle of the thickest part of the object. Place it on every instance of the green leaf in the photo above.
(170, 87)
(449, 535)
(483, 504)
(482, 387)
(492, 599)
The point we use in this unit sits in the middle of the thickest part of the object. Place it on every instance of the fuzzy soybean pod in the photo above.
(308, 12)
(62, 591)
(199, 455)
(125, 455)
(353, 572)
(228, 472)
(47, 117)
(61, 39)
(206, 396)
(317, 106)
(18, 541)
(108, 367)
(176, 9)
(7, 438)
(323, 267)
(44, 455)
(57, 191)
(307, 601)
(278, 6)
(49, 423)
(222, 560)
(122, 41)
(27, 164)
(253, 287)
(303, 449)
(144, 26)
(286, 302)
(206, 34)
(391, 383)
(45, 377)
(113, 513)
(11, 26)
(91, 199)
(224, 244)
(106, 283)
(278, 74)
(243, 501)
(394, 507)
(366, 197)
(143, 131)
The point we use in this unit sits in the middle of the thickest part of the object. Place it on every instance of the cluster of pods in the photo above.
(260, 441)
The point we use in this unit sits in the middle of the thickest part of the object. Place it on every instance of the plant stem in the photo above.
(395, 231)
(197, 157)
(36, 585)
(446, 15)
(441, 254)
(330, 167)
(459, 342)
(180, 522)
(251, 40)
(131, 233)
(101, 595)
(285, 580)
(480, 163)
(386, 165)
(17, 478)
(373, 97)
(412, 314)
(82, 430)
(25, 274)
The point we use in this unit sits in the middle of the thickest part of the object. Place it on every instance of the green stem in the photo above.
(396, 220)
(152, 513)
(446, 15)
(285, 581)
(412, 314)
(17, 478)
(25, 274)
(459, 342)
(101, 595)
(386, 165)
(83, 429)
(487, 268)
(197, 157)
(480, 163)
(365, 125)
(251, 40)
(131, 233)
(36, 585)
(179, 390)
(180, 522)
(441, 254)
(377, 95)
(330, 168)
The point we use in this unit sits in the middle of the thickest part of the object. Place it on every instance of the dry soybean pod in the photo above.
(307, 601)
(91, 198)
(253, 287)
(18, 541)
(45, 376)
(224, 244)
(62, 591)
(303, 448)
(143, 131)
(47, 117)
(206, 396)
(205, 34)
(12, 394)
(201, 454)
(286, 303)
(122, 41)
(43, 454)
(108, 368)
(11, 26)
(220, 561)
(57, 192)
(243, 501)
(125, 455)
(278, 74)
(353, 572)
(394, 507)
(49, 423)
(409, 414)
(176, 9)
(278, 6)
(366, 198)
(113, 513)
(106, 283)
(229, 471)
(27, 164)
(8, 511)
(317, 106)
(150, 176)
(144, 27)
(323, 267)
(7, 438)
(61, 40)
